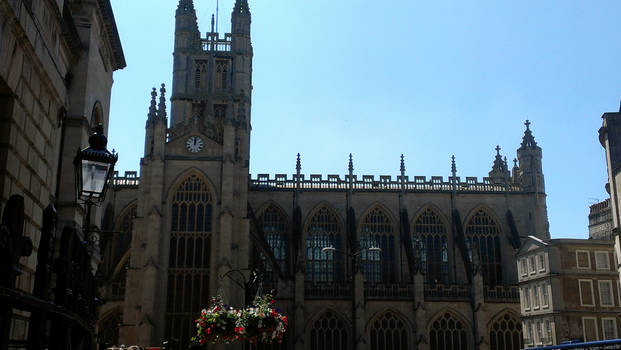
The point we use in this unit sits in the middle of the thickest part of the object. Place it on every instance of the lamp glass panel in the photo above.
(94, 176)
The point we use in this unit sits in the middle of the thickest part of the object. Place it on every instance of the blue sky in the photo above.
(426, 79)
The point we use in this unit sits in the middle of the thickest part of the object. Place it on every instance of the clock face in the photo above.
(194, 144)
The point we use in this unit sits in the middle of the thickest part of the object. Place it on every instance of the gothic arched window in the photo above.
(429, 235)
(483, 231)
(188, 267)
(274, 224)
(389, 333)
(115, 246)
(329, 332)
(109, 330)
(377, 230)
(506, 333)
(448, 333)
(323, 231)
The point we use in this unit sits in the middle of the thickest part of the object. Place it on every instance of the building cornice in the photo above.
(118, 57)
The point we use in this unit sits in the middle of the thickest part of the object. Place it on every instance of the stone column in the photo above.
(299, 320)
(479, 308)
(359, 311)
(420, 334)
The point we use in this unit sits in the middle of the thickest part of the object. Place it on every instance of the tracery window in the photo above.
(188, 267)
(329, 332)
(389, 333)
(448, 333)
(429, 235)
(222, 73)
(323, 231)
(274, 224)
(506, 333)
(483, 231)
(377, 230)
(200, 75)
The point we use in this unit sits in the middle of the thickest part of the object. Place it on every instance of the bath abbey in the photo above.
(356, 262)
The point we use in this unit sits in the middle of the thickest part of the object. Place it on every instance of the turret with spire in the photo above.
(530, 177)
(500, 171)
(187, 43)
(240, 18)
(529, 158)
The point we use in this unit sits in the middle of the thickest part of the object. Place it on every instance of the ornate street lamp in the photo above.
(94, 167)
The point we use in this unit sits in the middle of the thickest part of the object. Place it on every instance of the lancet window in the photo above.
(483, 231)
(429, 237)
(323, 231)
(274, 224)
(200, 75)
(329, 332)
(188, 266)
(388, 333)
(506, 333)
(222, 74)
(376, 231)
(448, 333)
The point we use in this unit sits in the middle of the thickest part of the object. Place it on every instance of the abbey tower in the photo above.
(191, 223)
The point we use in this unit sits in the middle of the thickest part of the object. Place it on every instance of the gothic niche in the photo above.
(210, 119)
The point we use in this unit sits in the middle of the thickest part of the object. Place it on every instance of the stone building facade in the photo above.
(445, 277)
(600, 220)
(569, 289)
(57, 58)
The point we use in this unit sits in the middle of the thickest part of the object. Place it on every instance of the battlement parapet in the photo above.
(383, 183)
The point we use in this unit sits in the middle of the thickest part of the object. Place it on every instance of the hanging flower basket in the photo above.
(258, 323)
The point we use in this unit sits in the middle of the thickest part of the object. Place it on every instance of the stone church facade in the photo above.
(444, 276)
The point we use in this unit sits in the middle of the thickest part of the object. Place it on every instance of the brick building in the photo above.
(569, 289)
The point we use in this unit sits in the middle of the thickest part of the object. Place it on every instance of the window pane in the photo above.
(586, 294)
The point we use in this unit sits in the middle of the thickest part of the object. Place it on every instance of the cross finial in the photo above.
(515, 162)
(497, 149)
(527, 123)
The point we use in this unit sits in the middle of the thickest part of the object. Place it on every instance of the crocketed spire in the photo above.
(185, 5)
(350, 166)
(453, 167)
(528, 140)
(161, 108)
(152, 108)
(241, 7)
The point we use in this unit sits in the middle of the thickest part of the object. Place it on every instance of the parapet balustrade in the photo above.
(502, 294)
(389, 291)
(328, 290)
(450, 292)
(263, 182)
(130, 179)
(384, 183)
(213, 42)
